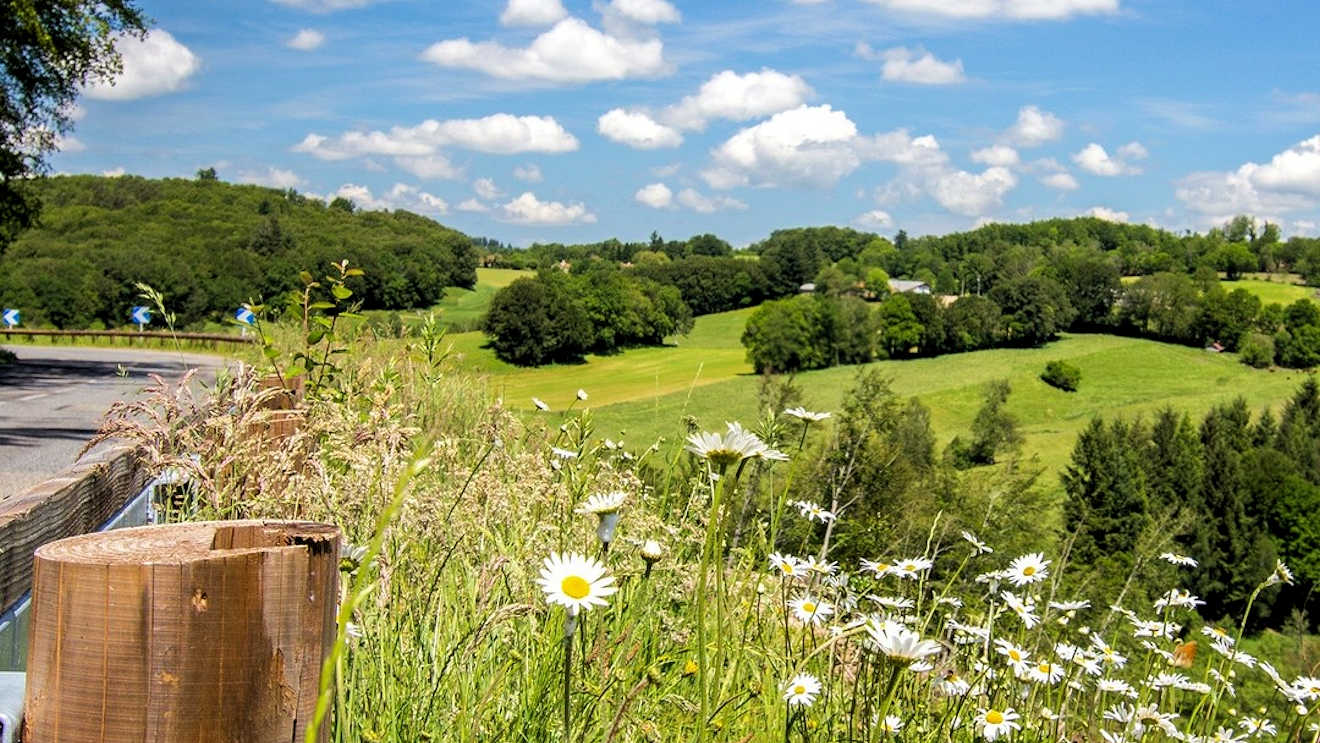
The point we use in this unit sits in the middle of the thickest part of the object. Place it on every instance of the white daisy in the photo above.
(995, 723)
(878, 568)
(978, 547)
(952, 685)
(912, 568)
(787, 566)
(1180, 560)
(1257, 726)
(563, 453)
(1045, 672)
(1024, 610)
(892, 602)
(1030, 568)
(1116, 686)
(540, 404)
(803, 414)
(1281, 574)
(733, 446)
(575, 582)
(901, 643)
(1017, 657)
(810, 610)
(891, 724)
(801, 691)
(603, 503)
(1177, 597)
(581, 394)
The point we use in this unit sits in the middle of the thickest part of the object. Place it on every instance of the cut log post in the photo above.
(207, 632)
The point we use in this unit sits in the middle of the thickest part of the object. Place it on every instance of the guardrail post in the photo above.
(212, 631)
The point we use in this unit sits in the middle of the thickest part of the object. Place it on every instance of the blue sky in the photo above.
(572, 121)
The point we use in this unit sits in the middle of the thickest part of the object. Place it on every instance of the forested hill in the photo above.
(209, 246)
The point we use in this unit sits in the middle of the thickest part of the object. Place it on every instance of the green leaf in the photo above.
(294, 371)
(341, 292)
(354, 272)
(316, 336)
(271, 353)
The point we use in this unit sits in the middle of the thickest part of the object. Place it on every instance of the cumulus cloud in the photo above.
(530, 173)
(570, 52)
(485, 188)
(154, 65)
(1064, 181)
(500, 134)
(1290, 181)
(1094, 159)
(1034, 127)
(272, 177)
(69, 143)
(808, 144)
(874, 219)
(428, 167)
(697, 202)
(533, 13)
(472, 205)
(1107, 214)
(306, 40)
(728, 95)
(654, 195)
(527, 209)
(649, 12)
(1001, 155)
(1001, 9)
(401, 196)
(1133, 151)
(637, 130)
(920, 67)
(113, 172)
(971, 194)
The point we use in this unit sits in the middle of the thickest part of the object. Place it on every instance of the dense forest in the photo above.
(210, 246)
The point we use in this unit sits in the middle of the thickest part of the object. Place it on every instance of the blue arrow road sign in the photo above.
(10, 317)
(141, 315)
(244, 315)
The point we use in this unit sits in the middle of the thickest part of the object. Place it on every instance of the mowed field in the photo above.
(464, 306)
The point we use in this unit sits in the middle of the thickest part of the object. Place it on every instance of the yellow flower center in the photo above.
(809, 608)
(1029, 570)
(910, 567)
(1015, 655)
(799, 689)
(994, 717)
(1043, 668)
(575, 587)
(787, 568)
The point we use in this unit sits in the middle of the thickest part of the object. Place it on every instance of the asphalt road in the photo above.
(52, 400)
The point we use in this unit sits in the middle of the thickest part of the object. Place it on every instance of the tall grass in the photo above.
(726, 635)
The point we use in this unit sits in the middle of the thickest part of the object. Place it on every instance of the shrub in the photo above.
(1063, 375)
(1257, 350)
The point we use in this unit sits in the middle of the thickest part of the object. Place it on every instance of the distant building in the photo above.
(1215, 347)
(807, 288)
(904, 286)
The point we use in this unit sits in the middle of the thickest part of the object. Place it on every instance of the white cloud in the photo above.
(808, 144)
(664, 171)
(527, 209)
(472, 205)
(272, 177)
(655, 195)
(971, 194)
(1133, 151)
(428, 167)
(1001, 9)
(1295, 170)
(728, 95)
(1290, 181)
(571, 52)
(69, 143)
(325, 6)
(154, 65)
(401, 196)
(695, 201)
(306, 40)
(113, 172)
(1094, 159)
(500, 134)
(1034, 127)
(1107, 214)
(531, 173)
(1001, 155)
(533, 13)
(874, 219)
(920, 67)
(646, 11)
(485, 188)
(1063, 181)
(637, 130)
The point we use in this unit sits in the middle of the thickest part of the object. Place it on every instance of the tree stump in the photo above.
(206, 632)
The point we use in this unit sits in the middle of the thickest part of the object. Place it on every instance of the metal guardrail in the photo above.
(130, 335)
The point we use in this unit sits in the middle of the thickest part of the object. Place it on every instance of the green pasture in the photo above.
(1120, 376)
(463, 307)
(1283, 292)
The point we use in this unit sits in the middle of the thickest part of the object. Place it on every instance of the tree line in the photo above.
(210, 246)
(1233, 491)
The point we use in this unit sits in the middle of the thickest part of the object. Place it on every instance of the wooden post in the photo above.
(207, 632)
